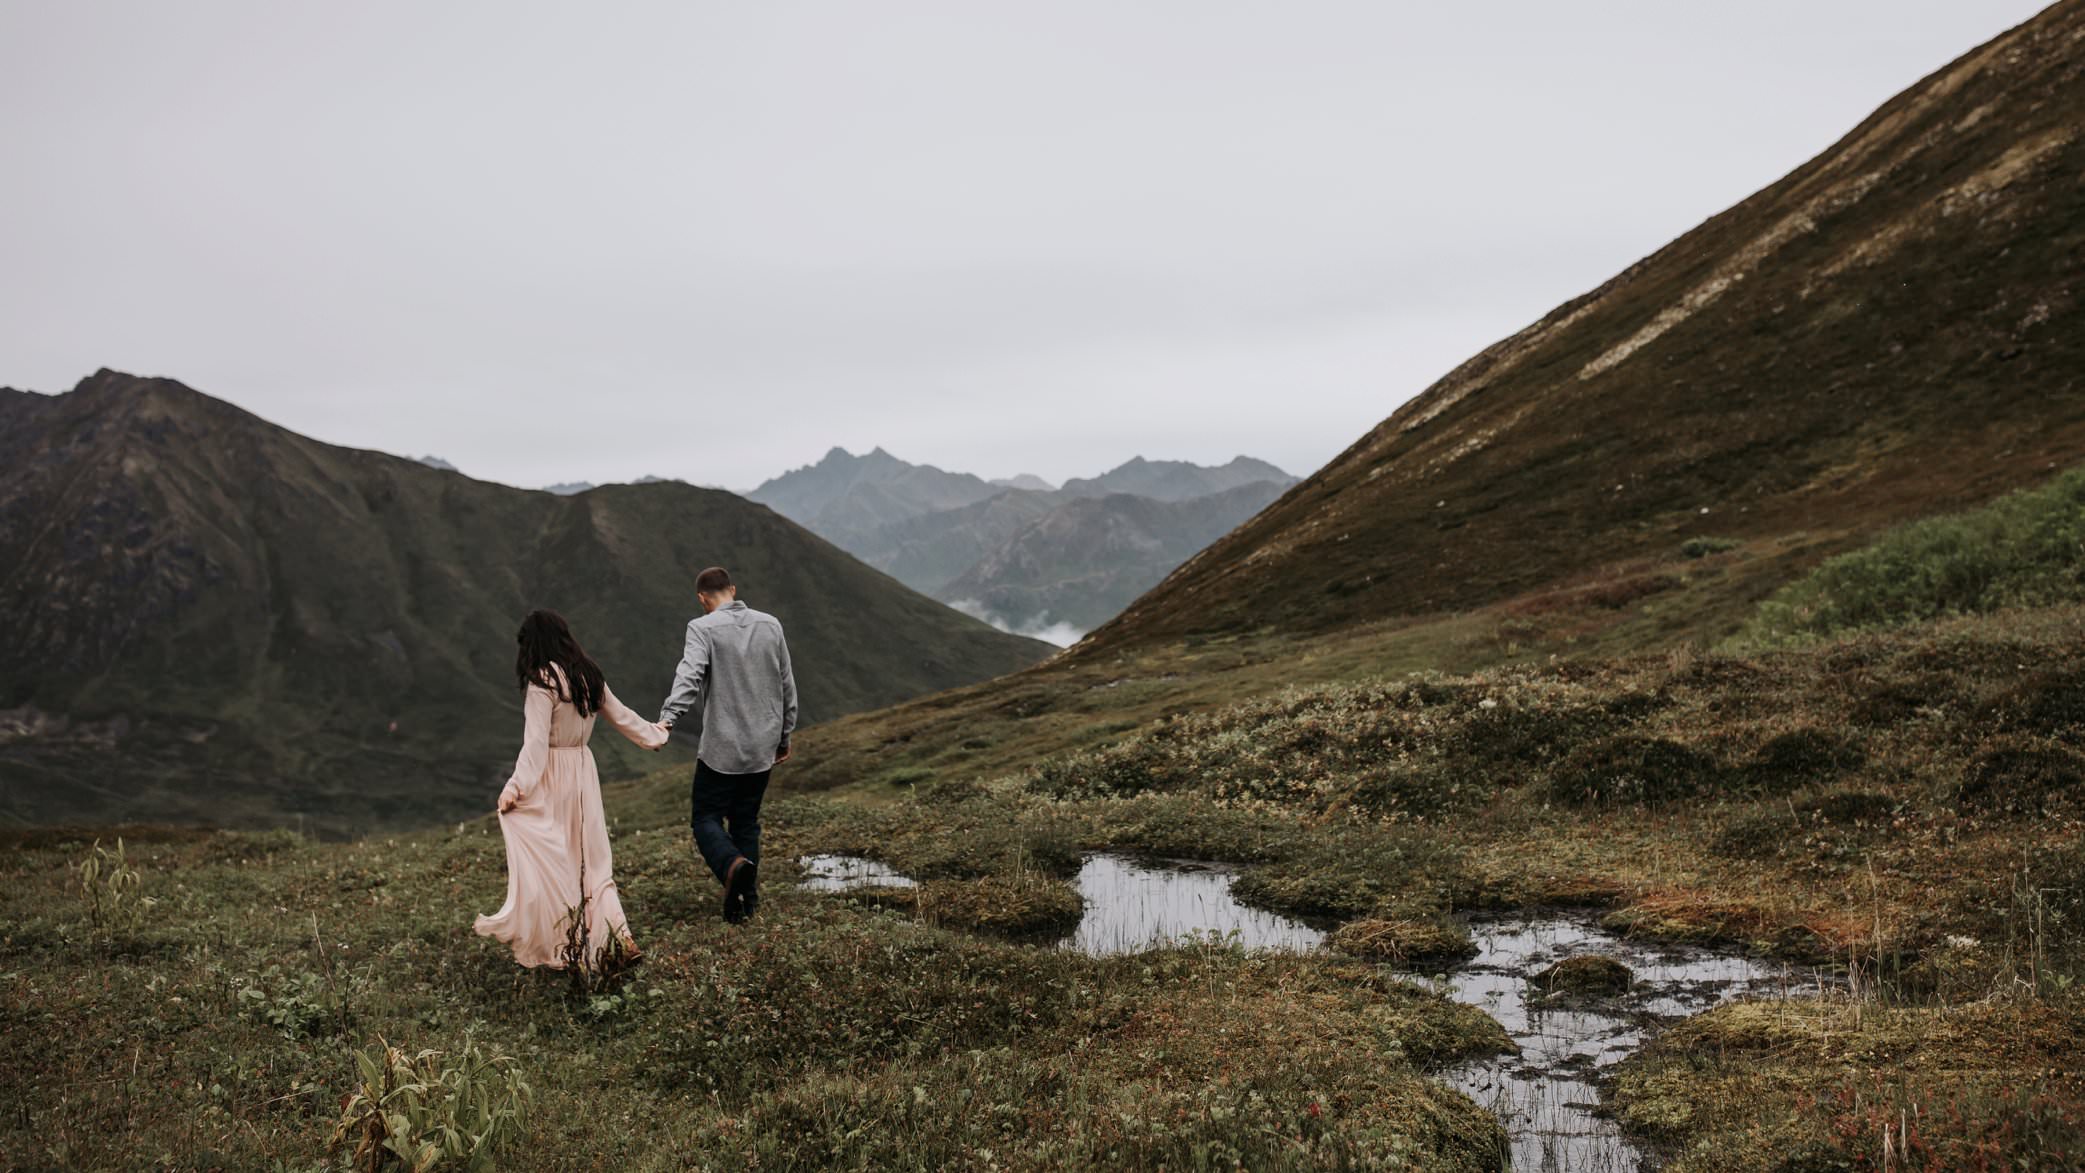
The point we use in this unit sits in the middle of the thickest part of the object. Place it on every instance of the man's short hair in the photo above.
(715, 579)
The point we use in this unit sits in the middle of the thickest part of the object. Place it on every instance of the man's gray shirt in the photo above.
(735, 673)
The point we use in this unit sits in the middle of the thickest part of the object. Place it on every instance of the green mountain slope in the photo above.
(216, 619)
(1890, 331)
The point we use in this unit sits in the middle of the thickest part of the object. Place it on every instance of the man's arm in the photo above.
(688, 678)
(788, 692)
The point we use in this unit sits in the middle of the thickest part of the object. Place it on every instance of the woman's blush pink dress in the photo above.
(556, 823)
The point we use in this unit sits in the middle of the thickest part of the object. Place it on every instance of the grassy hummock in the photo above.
(1588, 974)
(1896, 810)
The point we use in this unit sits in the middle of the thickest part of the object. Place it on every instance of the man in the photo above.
(735, 673)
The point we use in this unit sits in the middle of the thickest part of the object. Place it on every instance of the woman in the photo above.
(550, 810)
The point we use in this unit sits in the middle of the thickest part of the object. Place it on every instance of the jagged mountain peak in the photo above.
(1026, 482)
(1175, 480)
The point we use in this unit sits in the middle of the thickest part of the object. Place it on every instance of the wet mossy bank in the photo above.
(1852, 808)
(1833, 823)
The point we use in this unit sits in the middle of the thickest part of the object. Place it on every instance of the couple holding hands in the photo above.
(734, 674)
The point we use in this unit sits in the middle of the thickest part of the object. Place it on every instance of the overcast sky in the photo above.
(711, 240)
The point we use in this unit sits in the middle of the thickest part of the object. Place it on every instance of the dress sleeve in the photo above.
(628, 723)
(535, 742)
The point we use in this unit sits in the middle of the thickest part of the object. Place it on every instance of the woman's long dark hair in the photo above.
(546, 639)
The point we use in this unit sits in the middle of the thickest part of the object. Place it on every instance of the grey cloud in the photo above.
(712, 240)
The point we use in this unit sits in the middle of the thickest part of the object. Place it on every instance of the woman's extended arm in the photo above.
(628, 723)
(535, 747)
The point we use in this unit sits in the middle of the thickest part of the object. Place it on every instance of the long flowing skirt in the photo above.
(559, 825)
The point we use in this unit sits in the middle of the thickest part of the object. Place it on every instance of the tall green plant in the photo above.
(113, 891)
(593, 970)
(421, 1113)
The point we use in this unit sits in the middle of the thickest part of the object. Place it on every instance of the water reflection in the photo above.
(1546, 1096)
(836, 873)
(1131, 907)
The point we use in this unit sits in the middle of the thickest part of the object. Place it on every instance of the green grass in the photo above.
(830, 1032)
(2026, 549)
(922, 1030)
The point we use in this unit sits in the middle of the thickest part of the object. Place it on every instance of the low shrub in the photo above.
(1517, 736)
(1132, 768)
(1849, 807)
(1886, 701)
(297, 1005)
(1342, 878)
(2018, 775)
(1633, 769)
(900, 777)
(1802, 757)
(1012, 906)
(2049, 913)
(1763, 835)
(2049, 703)
(1703, 547)
(1419, 791)
(949, 791)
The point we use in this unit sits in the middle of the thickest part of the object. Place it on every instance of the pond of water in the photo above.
(837, 873)
(1547, 1096)
(1131, 907)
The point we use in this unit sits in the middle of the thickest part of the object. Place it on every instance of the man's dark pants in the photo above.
(724, 809)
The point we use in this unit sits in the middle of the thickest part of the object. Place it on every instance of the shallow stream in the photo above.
(1546, 1096)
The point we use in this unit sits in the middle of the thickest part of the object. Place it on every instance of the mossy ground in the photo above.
(1841, 816)
(830, 1032)
(1820, 818)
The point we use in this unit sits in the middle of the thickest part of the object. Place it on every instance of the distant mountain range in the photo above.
(1176, 480)
(562, 489)
(1027, 557)
(573, 488)
(1011, 551)
(1024, 481)
(1081, 562)
(847, 499)
(214, 619)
